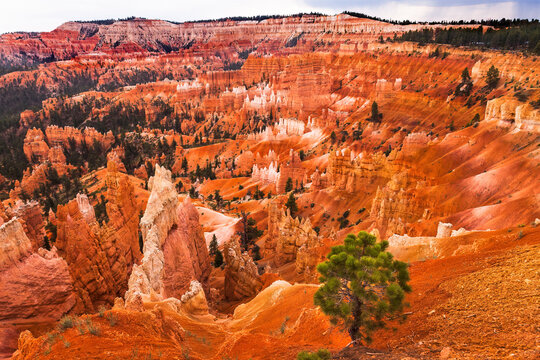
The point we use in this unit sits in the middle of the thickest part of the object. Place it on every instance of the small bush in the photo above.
(67, 322)
(92, 329)
(81, 329)
(101, 311)
(113, 319)
(185, 353)
(321, 354)
(51, 338)
(284, 325)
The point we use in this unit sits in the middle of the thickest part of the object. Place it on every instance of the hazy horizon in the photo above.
(38, 16)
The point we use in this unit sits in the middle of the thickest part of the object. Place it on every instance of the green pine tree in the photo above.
(249, 232)
(213, 247)
(288, 185)
(333, 137)
(291, 205)
(218, 259)
(376, 116)
(362, 285)
(492, 77)
(214, 251)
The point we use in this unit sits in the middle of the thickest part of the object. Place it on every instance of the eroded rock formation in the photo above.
(100, 257)
(292, 240)
(194, 300)
(175, 251)
(242, 278)
(35, 287)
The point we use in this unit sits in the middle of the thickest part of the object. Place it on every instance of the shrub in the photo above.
(321, 354)
(66, 322)
(113, 319)
(92, 329)
(51, 338)
(284, 325)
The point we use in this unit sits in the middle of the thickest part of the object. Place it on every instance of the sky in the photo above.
(45, 15)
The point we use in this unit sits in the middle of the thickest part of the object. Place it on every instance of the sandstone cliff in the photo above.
(100, 257)
(35, 287)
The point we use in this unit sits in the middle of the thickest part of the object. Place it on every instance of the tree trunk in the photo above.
(354, 329)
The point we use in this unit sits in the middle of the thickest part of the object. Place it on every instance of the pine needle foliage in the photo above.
(363, 286)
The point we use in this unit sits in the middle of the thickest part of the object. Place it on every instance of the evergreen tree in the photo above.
(214, 251)
(291, 205)
(218, 259)
(249, 232)
(492, 77)
(376, 116)
(185, 165)
(465, 75)
(288, 185)
(333, 137)
(218, 199)
(213, 247)
(465, 86)
(46, 243)
(362, 285)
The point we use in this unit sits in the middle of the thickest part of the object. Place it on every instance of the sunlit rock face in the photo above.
(174, 250)
(114, 245)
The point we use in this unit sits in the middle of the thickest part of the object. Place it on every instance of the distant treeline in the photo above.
(257, 18)
(500, 23)
(496, 23)
(525, 37)
(107, 21)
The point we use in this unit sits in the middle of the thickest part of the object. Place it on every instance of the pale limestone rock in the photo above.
(174, 250)
(444, 230)
(14, 244)
(194, 300)
(501, 110)
(528, 118)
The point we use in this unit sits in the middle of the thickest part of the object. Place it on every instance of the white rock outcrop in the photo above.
(160, 216)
